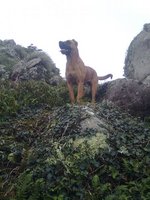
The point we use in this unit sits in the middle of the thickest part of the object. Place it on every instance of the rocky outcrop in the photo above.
(137, 61)
(131, 95)
(18, 63)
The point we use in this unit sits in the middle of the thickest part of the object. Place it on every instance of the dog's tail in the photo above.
(105, 77)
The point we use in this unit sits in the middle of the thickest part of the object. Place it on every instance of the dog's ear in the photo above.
(76, 43)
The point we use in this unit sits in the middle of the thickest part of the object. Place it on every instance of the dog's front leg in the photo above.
(80, 91)
(71, 92)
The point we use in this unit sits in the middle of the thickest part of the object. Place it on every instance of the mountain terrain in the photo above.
(52, 150)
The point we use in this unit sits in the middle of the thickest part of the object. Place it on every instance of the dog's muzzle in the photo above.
(65, 49)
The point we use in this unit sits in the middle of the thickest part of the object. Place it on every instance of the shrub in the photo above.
(29, 94)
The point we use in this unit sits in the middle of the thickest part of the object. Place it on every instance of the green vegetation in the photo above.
(45, 155)
(30, 94)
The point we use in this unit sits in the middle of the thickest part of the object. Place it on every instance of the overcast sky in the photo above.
(103, 28)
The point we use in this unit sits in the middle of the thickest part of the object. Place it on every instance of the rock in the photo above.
(9, 43)
(34, 70)
(147, 80)
(130, 95)
(137, 61)
(27, 64)
(92, 121)
(7, 47)
(32, 63)
(22, 70)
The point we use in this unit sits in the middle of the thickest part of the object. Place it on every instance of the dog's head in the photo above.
(68, 46)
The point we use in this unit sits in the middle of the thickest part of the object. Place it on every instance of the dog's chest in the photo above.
(72, 78)
(75, 74)
(72, 69)
(75, 67)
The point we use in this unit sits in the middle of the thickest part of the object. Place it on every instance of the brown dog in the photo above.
(77, 72)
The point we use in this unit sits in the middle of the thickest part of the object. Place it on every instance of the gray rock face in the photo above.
(18, 63)
(24, 70)
(92, 121)
(131, 95)
(137, 62)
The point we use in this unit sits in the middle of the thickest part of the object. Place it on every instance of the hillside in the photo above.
(51, 150)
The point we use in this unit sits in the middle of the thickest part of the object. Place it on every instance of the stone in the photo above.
(92, 122)
(137, 61)
(130, 95)
(24, 64)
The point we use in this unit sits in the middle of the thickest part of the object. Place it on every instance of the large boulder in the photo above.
(137, 61)
(130, 95)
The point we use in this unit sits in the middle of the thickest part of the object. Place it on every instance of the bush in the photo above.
(29, 94)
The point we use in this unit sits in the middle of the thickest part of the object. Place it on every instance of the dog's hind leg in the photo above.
(94, 90)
